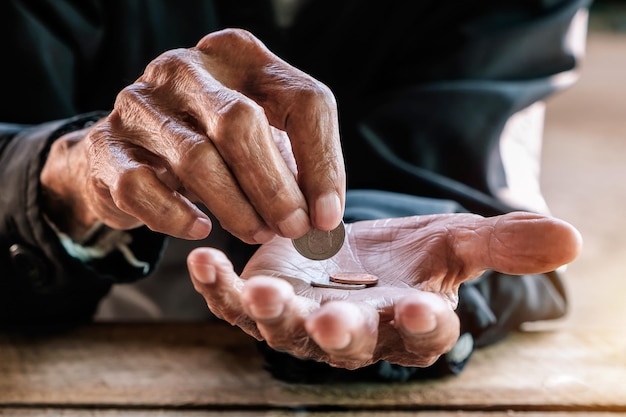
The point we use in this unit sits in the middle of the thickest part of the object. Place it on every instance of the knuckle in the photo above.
(130, 94)
(227, 38)
(193, 156)
(129, 104)
(315, 94)
(128, 183)
(166, 65)
(235, 114)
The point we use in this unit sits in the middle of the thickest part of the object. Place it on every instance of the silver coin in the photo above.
(318, 245)
(337, 286)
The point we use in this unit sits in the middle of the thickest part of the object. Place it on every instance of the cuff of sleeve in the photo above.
(51, 268)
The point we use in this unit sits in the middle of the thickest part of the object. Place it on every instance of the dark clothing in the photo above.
(424, 90)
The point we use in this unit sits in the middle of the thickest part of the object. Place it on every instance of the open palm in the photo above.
(408, 317)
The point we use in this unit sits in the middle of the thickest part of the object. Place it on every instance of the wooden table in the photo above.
(184, 369)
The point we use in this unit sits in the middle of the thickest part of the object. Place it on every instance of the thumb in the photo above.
(519, 243)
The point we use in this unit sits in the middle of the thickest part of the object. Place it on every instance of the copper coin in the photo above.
(318, 245)
(337, 286)
(354, 278)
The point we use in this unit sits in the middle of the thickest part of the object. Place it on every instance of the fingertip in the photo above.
(266, 298)
(199, 269)
(328, 211)
(563, 239)
(417, 314)
(205, 255)
(332, 326)
(200, 228)
(263, 236)
(295, 225)
(203, 264)
(573, 241)
(203, 273)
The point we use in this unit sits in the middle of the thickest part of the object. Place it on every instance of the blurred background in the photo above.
(584, 171)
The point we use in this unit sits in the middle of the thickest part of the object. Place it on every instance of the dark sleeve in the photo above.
(40, 283)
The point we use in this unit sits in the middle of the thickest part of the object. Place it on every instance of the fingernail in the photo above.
(203, 272)
(338, 342)
(267, 311)
(418, 323)
(263, 236)
(200, 229)
(328, 211)
(295, 225)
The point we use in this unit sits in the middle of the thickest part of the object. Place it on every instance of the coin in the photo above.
(337, 286)
(318, 244)
(354, 278)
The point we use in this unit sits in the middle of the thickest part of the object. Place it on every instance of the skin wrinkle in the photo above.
(283, 144)
(425, 355)
(274, 190)
(202, 158)
(165, 130)
(136, 112)
(281, 78)
(230, 308)
(133, 182)
(251, 53)
(349, 248)
(292, 331)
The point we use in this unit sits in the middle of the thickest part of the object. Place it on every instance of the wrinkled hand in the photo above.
(224, 124)
(408, 318)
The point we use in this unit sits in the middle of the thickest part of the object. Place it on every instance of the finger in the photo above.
(213, 277)
(240, 131)
(312, 125)
(518, 243)
(243, 137)
(279, 314)
(298, 104)
(126, 189)
(284, 147)
(427, 325)
(347, 331)
(192, 157)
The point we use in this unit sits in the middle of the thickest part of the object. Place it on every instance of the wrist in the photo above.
(61, 179)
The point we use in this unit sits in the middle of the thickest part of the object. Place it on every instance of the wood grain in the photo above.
(215, 365)
(54, 412)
